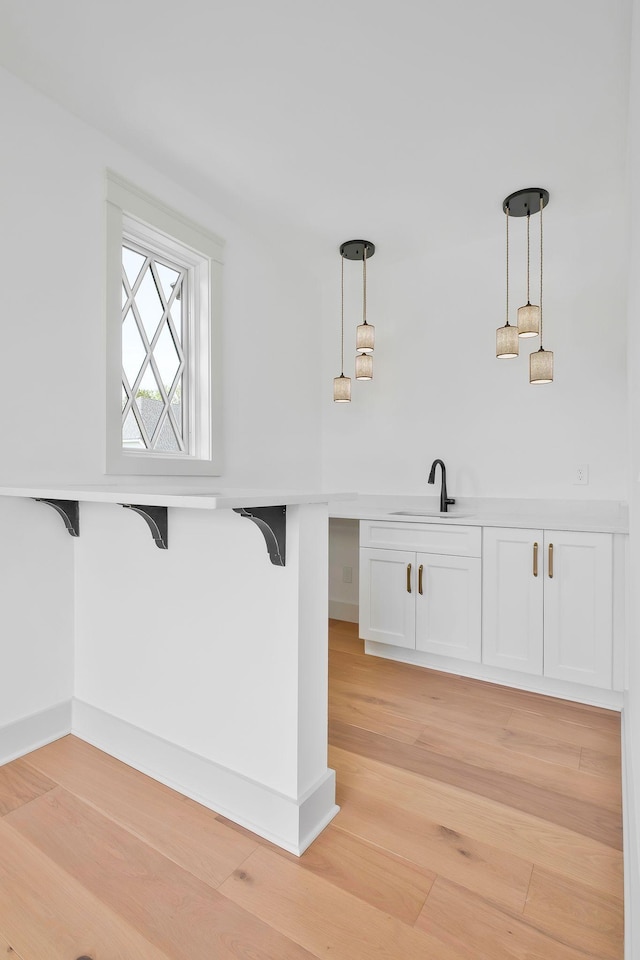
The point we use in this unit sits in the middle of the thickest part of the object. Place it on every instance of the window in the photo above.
(163, 356)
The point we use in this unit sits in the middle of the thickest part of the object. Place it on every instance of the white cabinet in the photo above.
(548, 603)
(387, 607)
(448, 604)
(427, 598)
(512, 599)
(578, 607)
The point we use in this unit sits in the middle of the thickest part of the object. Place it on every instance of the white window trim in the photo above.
(128, 205)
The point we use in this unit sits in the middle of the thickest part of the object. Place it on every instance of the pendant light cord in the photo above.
(507, 213)
(342, 316)
(364, 284)
(541, 206)
(528, 256)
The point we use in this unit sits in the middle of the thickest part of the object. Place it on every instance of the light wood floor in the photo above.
(477, 823)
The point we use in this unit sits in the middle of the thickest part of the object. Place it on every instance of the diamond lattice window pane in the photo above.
(131, 436)
(149, 385)
(150, 411)
(176, 408)
(176, 317)
(167, 440)
(133, 350)
(168, 279)
(166, 357)
(149, 305)
(153, 351)
(132, 263)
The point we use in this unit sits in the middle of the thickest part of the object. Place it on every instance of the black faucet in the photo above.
(444, 501)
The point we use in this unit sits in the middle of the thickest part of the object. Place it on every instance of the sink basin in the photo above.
(434, 514)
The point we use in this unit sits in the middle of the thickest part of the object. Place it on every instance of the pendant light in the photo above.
(364, 366)
(529, 315)
(365, 332)
(541, 362)
(507, 343)
(342, 384)
(524, 203)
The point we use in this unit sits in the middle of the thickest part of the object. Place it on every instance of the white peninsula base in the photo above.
(203, 665)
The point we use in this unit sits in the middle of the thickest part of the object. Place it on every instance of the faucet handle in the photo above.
(449, 502)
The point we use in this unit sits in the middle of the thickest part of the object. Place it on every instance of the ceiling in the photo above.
(404, 121)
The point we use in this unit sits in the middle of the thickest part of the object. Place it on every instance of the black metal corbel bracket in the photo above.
(156, 518)
(69, 510)
(272, 522)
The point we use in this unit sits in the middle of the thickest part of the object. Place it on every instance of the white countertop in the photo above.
(606, 516)
(171, 495)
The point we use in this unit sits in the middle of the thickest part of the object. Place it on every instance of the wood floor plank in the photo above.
(323, 919)
(394, 699)
(542, 704)
(344, 637)
(343, 626)
(7, 951)
(606, 740)
(178, 913)
(388, 882)
(602, 764)
(371, 717)
(535, 840)
(409, 683)
(381, 877)
(467, 922)
(588, 920)
(577, 783)
(497, 735)
(435, 845)
(179, 828)
(20, 783)
(345, 644)
(47, 915)
(583, 817)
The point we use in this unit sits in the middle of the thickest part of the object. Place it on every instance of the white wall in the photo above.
(438, 390)
(52, 263)
(36, 631)
(344, 561)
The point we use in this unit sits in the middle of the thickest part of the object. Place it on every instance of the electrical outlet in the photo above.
(347, 575)
(582, 474)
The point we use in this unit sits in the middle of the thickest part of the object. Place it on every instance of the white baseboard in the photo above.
(291, 823)
(631, 834)
(27, 734)
(340, 610)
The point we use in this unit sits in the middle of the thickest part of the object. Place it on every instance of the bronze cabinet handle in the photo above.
(408, 578)
(535, 559)
(420, 569)
(551, 561)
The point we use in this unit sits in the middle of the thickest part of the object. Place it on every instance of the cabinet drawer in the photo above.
(443, 538)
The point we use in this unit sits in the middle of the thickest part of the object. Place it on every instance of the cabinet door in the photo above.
(448, 607)
(578, 607)
(387, 598)
(512, 599)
